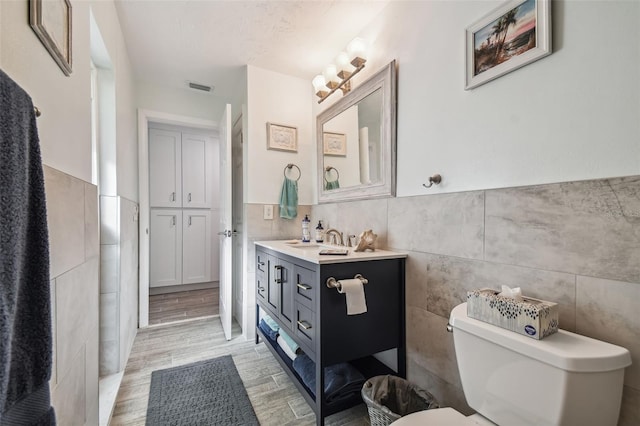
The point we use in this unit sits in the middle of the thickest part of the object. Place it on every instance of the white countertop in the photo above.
(309, 252)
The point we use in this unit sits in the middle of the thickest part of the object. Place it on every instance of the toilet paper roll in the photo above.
(353, 290)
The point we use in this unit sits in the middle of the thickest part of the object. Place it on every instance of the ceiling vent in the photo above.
(198, 86)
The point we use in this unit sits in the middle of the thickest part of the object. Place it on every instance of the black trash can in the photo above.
(389, 397)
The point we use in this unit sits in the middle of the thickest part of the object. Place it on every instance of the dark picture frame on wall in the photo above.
(51, 21)
(513, 35)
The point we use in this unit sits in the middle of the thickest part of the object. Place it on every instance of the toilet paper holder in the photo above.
(333, 283)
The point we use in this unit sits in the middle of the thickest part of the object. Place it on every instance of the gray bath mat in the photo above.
(203, 393)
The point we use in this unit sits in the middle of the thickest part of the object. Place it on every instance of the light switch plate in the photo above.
(268, 212)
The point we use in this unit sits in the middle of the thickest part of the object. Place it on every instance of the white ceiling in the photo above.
(209, 41)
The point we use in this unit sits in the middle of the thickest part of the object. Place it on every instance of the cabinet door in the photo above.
(197, 171)
(287, 283)
(273, 284)
(165, 174)
(196, 246)
(165, 248)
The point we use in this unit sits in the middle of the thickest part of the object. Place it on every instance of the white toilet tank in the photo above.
(565, 379)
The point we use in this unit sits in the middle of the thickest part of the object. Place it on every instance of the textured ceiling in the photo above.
(209, 41)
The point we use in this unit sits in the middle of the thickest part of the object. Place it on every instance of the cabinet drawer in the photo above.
(305, 329)
(305, 287)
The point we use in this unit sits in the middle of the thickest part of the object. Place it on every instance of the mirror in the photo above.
(356, 140)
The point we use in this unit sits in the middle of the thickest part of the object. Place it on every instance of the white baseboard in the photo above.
(183, 287)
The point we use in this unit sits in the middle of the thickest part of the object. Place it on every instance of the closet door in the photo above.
(165, 247)
(165, 168)
(197, 158)
(196, 246)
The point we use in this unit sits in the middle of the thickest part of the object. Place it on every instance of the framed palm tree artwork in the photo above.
(513, 35)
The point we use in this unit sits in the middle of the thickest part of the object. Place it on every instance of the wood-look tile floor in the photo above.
(274, 397)
(171, 307)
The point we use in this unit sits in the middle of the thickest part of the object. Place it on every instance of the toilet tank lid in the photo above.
(565, 350)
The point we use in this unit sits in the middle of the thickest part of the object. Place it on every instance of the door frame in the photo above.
(146, 116)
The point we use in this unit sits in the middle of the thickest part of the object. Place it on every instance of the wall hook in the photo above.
(433, 179)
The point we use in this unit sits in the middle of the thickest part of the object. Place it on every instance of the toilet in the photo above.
(510, 379)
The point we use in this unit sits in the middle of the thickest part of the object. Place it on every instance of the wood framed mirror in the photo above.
(356, 140)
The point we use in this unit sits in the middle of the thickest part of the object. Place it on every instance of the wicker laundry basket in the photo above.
(389, 397)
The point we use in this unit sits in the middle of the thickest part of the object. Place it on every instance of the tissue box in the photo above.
(532, 317)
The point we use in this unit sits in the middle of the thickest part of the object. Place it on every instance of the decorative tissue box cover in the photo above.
(532, 317)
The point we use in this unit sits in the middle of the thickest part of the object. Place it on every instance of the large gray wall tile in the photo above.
(630, 410)
(92, 378)
(451, 224)
(109, 268)
(608, 310)
(65, 215)
(587, 228)
(76, 312)
(430, 345)
(449, 279)
(282, 229)
(68, 397)
(91, 221)
(416, 288)
(357, 216)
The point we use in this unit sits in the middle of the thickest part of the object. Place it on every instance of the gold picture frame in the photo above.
(282, 138)
(51, 21)
(334, 144)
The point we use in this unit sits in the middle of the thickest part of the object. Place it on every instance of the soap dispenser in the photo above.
(306, 235)
(319, 232)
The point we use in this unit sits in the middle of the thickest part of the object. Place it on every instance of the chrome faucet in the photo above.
(334, 235)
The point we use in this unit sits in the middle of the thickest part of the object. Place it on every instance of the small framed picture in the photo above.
(282, 138)
(334, 144)
(511, 36)
(51, 21)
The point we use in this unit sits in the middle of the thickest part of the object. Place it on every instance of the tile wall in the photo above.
(118, 281)
(72, 214)
(576, 243)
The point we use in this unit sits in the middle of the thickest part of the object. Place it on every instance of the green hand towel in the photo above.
(334, 184)
(289, 199)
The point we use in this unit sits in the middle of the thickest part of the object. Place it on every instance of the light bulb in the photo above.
(343, 64)
(357, 51)
(331, 76)
(319, 83)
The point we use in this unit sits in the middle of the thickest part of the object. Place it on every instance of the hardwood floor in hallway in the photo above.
(183, 305)
(274, 397)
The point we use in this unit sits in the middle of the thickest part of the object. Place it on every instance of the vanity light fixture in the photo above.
(338, 75)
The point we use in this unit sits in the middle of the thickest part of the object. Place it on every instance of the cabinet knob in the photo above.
(304, 286)
(189, 197)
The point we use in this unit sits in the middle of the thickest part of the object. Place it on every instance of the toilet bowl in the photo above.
(510, 379)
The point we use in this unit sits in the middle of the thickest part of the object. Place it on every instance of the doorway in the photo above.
(145, 117)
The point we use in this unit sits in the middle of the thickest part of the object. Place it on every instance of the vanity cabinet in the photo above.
(291, 287)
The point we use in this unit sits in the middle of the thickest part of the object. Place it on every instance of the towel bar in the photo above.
(333, 283)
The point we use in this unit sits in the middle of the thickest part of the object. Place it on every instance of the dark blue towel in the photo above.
(341, 381)
(267, 331)
(25, 301)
